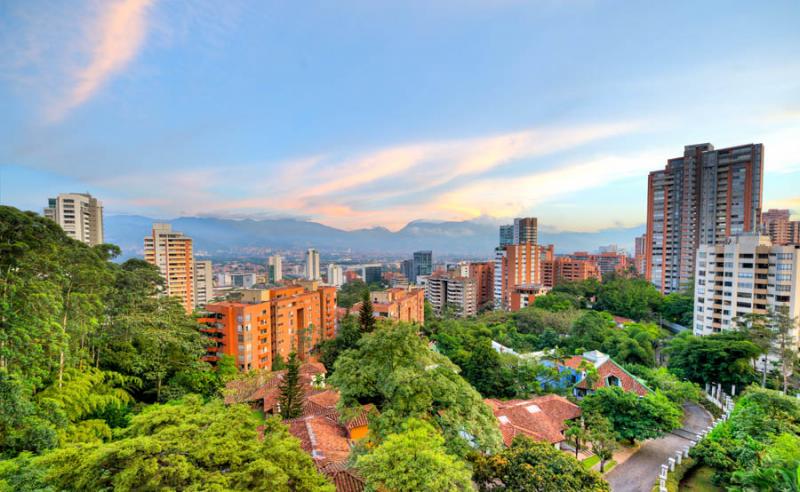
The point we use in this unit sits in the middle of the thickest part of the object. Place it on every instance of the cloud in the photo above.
(114, 38)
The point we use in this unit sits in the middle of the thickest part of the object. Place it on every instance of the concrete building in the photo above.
(423, 263)
(506, 235)
(449, 291)
(274, 269)
(483, 274)
(405, 304)
(701, 198)
(567, 269)
(335, 275)
(747, 274)
(639, 255)
(172, 253)
(270, 323)
(525, 230)
(243, 280)
(203, 282)
(312, 264)
(777, 224)
(372, 274)
(79, 214)
(607, 261)
(519, 265)
(523, 295)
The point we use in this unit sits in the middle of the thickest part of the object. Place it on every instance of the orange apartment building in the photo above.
(270, 323)
(781, 230)
(607, 262)
(520, 266)
(398, 304)
(171, 252)
(483, 274)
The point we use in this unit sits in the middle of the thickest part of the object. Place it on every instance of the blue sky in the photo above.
(363, 113)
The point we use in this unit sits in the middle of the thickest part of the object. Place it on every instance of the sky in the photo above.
(375, 113)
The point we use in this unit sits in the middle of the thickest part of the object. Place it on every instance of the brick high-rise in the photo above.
(781, 230)
(700, 198)
(483, 274)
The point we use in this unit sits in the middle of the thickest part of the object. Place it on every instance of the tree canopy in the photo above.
(632, 417)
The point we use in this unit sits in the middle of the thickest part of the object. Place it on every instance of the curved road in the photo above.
(640, 471)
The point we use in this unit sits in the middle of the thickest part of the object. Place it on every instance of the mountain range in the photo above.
(471, 238)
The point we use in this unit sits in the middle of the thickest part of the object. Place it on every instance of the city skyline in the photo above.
(272, 111)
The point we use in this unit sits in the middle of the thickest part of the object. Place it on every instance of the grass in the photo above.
(589, 462)
(698, 480)
(609, 466)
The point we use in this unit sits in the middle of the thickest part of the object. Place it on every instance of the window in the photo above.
(782, 267)
(613, 381)
(785, 256)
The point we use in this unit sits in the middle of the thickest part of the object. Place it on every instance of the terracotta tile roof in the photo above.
(573, 362)
(627, 381)
(361, 419)
(542, 418)
(344, 478)
(262, 386)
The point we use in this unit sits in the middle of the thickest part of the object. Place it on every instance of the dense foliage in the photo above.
(530, 466)
(758, 447)
(632, 417)
(721, 358)
(185, 445)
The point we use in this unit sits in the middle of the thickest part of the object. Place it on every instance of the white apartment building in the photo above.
(275, 269)
(335, 275)
(451, 291)
(172, 253)
(203, 282)
(79, 214)
(746, 274)
(312, 264)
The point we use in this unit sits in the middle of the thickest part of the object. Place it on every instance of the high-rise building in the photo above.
(777, 224)
(372, 274)
(701, 198)
(423, 264)
(746, 274)
(506, 235)
(562, 269)
(274, 269)
(447, 290)
(312, 264)
(79, 214)
(640, 257)
(172, 253)
(335, 275)
(407, 269)
(203, 282)
(267, 324)
(483, 274)
(520, 266)
(608, 261)
(525, 230)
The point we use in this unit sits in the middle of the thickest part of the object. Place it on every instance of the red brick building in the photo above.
(397, 303)
(483, 274)
(609, 373)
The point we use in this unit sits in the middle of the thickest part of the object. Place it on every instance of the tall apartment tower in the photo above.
(525, 230)
(506, 235)
(203, 282)
(171, 252)
(312, 264)
(745, 274)
(275, 269)
(423, 263)
(79, 214)
(701, 198)
(639, 256)
(335, 275)
(516, 264)
(777, 225)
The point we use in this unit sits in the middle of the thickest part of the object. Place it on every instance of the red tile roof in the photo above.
(542, 418)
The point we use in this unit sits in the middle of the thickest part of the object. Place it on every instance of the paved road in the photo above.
(639, 473)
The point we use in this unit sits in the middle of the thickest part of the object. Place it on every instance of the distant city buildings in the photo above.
(398, 304)
(267, 324)
(559, 269)
(701, 198)
(372, 274)
(274, 269)
(79, 214)
(203, 282)
(335, 275)
(516, 264)
(421, 264)
(609, 261)
(312, 264)
(447, 291)
(746, 274)
(243, 280)
(172, 253)
(777, 224)
(640, 254)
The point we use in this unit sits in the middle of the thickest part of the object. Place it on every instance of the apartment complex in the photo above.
(274, 269)
(171, 252)
(79, 214)
(203, 282)
(525, 230)
(449, 291)
(745, 274)
(777, 224)
(566, 269)
(701, 198)
(639, 256)
(270, 323)
(400, 304)
(312, 264)
(372, 274)
(483, 274)
(421, 264)
(607, 261)
(517, 263)
(335, 275)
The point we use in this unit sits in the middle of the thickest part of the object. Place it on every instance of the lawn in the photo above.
(609, 466)
(699, 480)
(589, 462)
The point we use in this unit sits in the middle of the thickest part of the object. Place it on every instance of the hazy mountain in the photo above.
(468, 238)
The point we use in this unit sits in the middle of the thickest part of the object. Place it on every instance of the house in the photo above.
(543, 418)
(609, 373)
(262, 390)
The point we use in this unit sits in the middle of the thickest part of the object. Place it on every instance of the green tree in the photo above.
(350, 293)
(530, 466)
(577, 433)
(634, 298)
(603, 439)
(394, 369)
(365, 316)
(347, 337)
(755, 328)
(678, 307)
(784, 327)
(185, 445)
(661, 379)
(720, 358)
(292, 396)
(632, 417)
(411, 460)
(556, 301)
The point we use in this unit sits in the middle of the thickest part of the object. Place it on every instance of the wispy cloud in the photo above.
(114, 38)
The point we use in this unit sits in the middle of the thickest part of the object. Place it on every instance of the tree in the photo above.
(603, 439)
(347, 337)
(292, 395)
(678, 307)
(784, 327)
(590, 330)
(661, 379)
(633, 417)
(634, 298)
(365, 316)
(394, 369)
(720, 358)
(531, 466)
(411, 460)
(184, 445)
(350, 293)
(556, 301)
(755, 328)
(577, 433)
